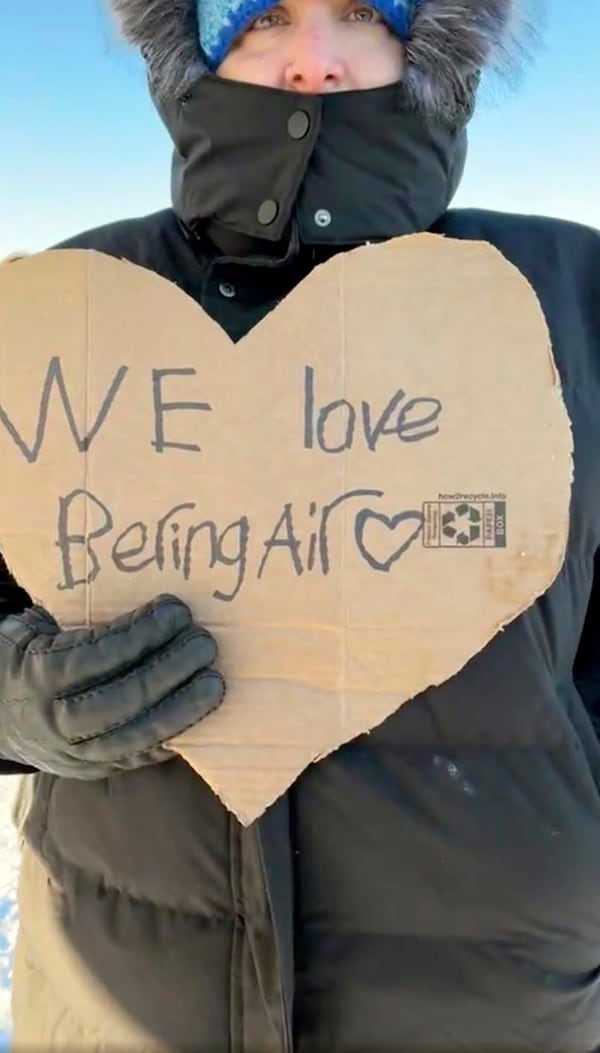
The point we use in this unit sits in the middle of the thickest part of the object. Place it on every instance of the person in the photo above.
(378, 905)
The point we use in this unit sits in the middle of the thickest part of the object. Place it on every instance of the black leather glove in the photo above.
(88, 703)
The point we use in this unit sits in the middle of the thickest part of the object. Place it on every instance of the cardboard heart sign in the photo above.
(354, 499)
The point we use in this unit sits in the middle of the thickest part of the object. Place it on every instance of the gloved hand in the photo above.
(88, 703)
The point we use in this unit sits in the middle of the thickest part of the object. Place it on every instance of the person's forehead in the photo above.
(306, 5)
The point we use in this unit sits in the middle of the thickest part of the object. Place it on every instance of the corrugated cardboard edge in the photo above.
(247, 819)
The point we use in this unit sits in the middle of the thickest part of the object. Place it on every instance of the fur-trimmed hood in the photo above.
(450, 43)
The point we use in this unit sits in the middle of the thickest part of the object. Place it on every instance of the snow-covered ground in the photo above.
(9, 865)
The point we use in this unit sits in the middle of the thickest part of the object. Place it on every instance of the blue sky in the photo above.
(81, 144)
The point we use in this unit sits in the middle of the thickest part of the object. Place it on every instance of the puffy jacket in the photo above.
(431, 887)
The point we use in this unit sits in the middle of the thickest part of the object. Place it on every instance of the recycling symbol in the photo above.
(462, 524)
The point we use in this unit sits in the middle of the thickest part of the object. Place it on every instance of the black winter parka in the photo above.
(432, 887)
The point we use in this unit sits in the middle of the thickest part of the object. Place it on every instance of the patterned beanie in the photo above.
(220, 22)
(447, 43)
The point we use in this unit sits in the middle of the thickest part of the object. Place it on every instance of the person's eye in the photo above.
(275, 16)
(364, 13)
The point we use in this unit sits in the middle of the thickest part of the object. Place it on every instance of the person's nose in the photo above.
(315, 65)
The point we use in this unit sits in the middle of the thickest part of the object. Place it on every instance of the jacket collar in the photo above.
(256, 167)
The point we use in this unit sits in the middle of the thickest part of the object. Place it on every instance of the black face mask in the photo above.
(338, 169)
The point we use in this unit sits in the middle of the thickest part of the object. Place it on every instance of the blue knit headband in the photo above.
(221, 21)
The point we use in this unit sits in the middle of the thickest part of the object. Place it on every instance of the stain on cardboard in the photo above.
(354, 499)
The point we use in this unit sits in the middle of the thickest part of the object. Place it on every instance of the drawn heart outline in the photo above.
(391, 522)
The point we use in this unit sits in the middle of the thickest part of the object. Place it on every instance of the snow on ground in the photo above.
(9, 865)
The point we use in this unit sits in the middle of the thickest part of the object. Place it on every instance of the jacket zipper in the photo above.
(236, 979)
